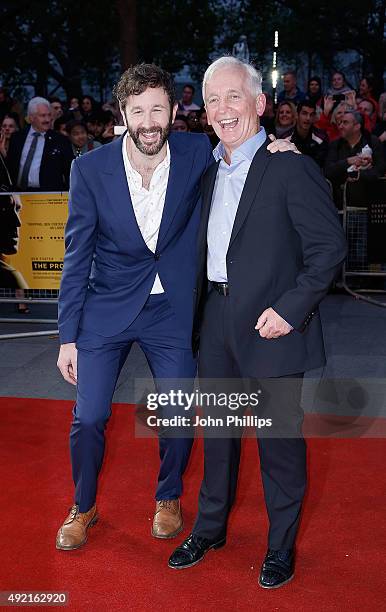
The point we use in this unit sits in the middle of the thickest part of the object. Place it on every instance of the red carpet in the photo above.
(341, 547)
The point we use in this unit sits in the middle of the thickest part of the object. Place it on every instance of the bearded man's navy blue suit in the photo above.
(105, 303)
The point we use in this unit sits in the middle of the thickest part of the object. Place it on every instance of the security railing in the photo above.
(364, 222)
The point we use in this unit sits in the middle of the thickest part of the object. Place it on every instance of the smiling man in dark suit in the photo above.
(270, 244)
(39, 159)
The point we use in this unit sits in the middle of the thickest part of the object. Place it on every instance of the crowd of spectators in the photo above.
(342, 129)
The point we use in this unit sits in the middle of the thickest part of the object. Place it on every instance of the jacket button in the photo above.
(157, 256)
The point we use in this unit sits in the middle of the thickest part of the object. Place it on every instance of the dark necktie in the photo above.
(28, 161)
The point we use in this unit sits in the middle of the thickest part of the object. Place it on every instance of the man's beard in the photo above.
(151, 149)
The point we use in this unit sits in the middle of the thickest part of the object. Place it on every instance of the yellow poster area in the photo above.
(40, 252)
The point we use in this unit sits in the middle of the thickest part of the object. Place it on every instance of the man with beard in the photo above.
(129, 276)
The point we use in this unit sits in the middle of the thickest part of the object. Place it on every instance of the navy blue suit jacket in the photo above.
(108, 270)
(286, 248)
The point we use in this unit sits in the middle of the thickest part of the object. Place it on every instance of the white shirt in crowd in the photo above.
(34, 171)
(148, 205)
(186, 108)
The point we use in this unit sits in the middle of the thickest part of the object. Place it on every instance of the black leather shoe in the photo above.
(277, 569)
(192, 551)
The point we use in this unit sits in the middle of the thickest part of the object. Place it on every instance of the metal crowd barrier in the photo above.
(364, 222)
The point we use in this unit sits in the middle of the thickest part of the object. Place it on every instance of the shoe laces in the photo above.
(166, 503)
(74, 511)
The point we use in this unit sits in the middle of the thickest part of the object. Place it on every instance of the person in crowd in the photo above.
(314, 91)
(207, 129)
(5, 179)
(285, 118)
(180, 124)
(112, 108)
(60, 125)
(56, 108)
(203, 118)
(77, 133)
(382, 99)
(10, 106)
(268, 118)
(73, 103)
(96, 124)
(129, 275)
(291, 92)
(380, 128)
(73, 109)
(8, 126)
(356, 155)
(307, 138)
(366, 91)
(270, 244)
(108, 130)
(88, 107)
(339, 87)
(186, 104)
(331, 116)
(194, 121)
(368, 108)
(10, 207)
(38, 157)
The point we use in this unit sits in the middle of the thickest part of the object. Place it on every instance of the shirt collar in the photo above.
(248, 149)
(33, 131)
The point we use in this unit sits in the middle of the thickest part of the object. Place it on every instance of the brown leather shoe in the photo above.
(167, 521)
(73, 532)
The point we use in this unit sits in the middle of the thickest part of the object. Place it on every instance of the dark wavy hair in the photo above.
(136, 79)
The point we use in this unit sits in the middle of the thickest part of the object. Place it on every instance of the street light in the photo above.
(275, 73)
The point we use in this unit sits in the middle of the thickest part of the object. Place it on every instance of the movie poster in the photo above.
(32, 240)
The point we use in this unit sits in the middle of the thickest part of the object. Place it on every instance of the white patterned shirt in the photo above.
(148, 204)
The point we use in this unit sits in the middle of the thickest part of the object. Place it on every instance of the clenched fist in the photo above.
(271, 325)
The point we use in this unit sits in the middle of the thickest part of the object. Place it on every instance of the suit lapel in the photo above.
(251, 187)
(181, 162)
(208, 184)
(117, 189)
(48, 145)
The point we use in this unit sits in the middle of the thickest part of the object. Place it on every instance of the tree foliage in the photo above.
(70, 45)
(65, 43)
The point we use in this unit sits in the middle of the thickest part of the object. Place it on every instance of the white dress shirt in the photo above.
(227, 192)
(148, 204)
(34, 171)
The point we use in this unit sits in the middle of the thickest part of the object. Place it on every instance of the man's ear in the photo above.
(123, 115)
(174, 111)
(207, 116)
(260, 104)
